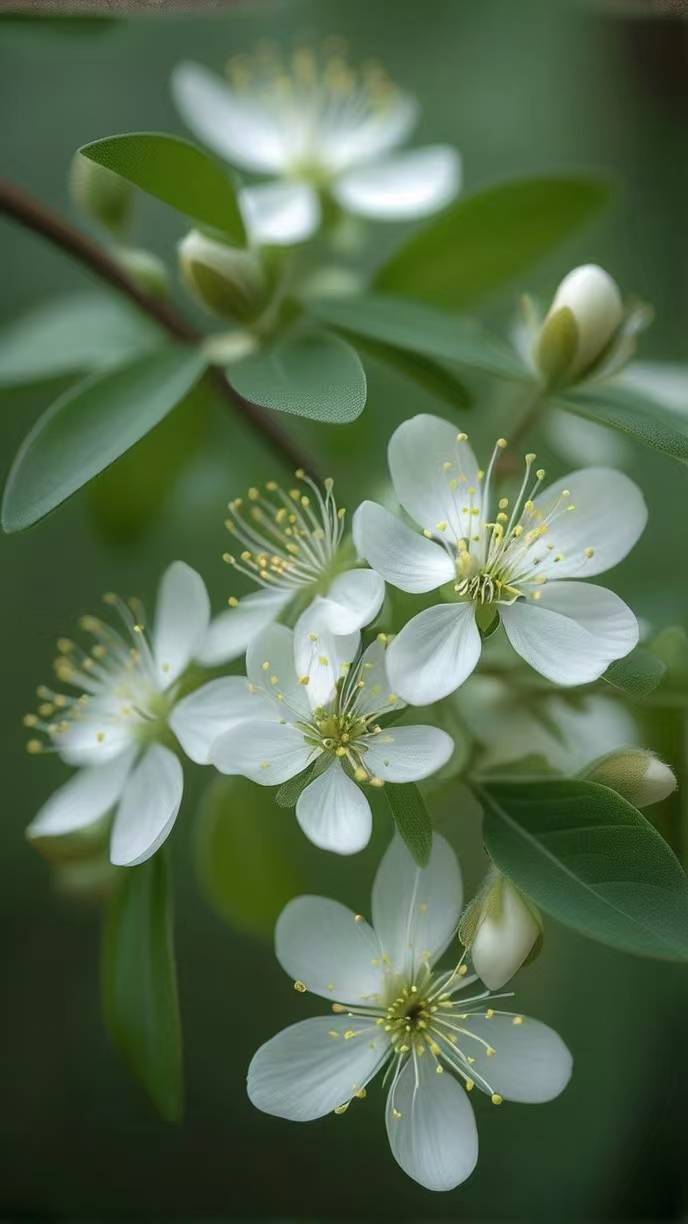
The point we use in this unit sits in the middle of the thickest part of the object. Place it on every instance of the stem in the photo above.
(36, 216)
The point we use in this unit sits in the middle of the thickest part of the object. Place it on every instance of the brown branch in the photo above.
(34, 215)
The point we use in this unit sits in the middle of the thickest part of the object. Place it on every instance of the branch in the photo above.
(33, 215)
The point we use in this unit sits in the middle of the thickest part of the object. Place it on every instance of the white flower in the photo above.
(495, 556)
(319, 127)
(120, 731)
(394, 1009)
(292, 548)
(316, 706)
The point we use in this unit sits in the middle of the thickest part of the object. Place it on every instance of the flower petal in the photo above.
(353, 600)
(321, 656)
(87, 796)
(609, 517)
(431, 1126)
(148, 807)
(409, 185)
(266, 752)
(530, 1063)
(235, 126)
(229, 633)
(432, 472)
(407, 754)
(375, 695)
(434, 653)
(334, 813)
(271, 667)
(331, 950)
(280, 214)
(344, 144)
(96, 737)
(199, 719)
(311, 1068)
(573, 633)
(416, 910)
(399, 554)
(181, 620)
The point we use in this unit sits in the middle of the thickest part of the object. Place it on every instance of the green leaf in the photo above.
(588, 858)
(486, 240)
(632, 414)
(312, 375)
(90, 426)
(289, 792)
(176, 172)
(139, 982)
(671, 648)
(411, 819)
(73, 334)
(425, 330)
(244, 854)
(638, 674)
(432, 376)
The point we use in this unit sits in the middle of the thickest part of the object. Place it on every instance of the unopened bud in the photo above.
(101, 194)
(585, 314)
(500, 929)
(634, 773)
(231, 283)
(145, 269)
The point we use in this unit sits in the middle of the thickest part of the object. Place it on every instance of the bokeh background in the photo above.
(520, 88)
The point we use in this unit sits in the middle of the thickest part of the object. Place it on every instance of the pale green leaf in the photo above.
(638, 674)
(312, 374)
(411, 819)
(632, 414)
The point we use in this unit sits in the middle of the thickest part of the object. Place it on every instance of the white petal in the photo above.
(435, 1140)
(353, 600)
(235, 126)
(271, 667)
(573, 633)
(148, 807)
(198, 720)
(409, 185)
(280, 214)
(609, 516)
(87, 796)
(305, 1072)
(229, 633)
(530, 1063)
(593, 297)
(331, 950)
(432, 472)
(345, 144)
(416, 909)
(334, 813)
(266, 752)
(434, 653)
(375, 695)
(320, 655)
(399, 554)
(407, 754)
(181, 620)
(96, 737)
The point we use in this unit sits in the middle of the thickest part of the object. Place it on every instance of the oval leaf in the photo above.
(90, 426)
(411, 819)
(638, 674)
(176, 172)
(485, 240)
(139, 982)
(588, 858)
(312, 375)
(631, 413)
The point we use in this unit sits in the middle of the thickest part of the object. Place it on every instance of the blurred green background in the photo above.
(521, 88)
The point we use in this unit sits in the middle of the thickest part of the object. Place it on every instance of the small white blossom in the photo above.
(512, 558)
(499, 929)
(118, 724)
(394, 1009)
(317, 703)
(320, 127)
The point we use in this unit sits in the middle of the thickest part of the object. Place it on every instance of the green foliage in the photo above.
(671, 648)
(638, 674)
(139, 982)
(632, 414)
(73, 334)
(591, 860)
(411, 819)
(425, 330)
(485, 240)
(310, 374)
(433, 376)
(176, 172)
(90, 426)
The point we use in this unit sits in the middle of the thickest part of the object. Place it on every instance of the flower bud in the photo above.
(500, 928)
(102, 195)
(586, 312)
(634, 773)
(231, 283)
(145, 269)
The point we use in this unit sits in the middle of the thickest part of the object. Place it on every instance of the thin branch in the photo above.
(36, 216)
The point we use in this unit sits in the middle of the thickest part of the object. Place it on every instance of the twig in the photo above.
(36, 216)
